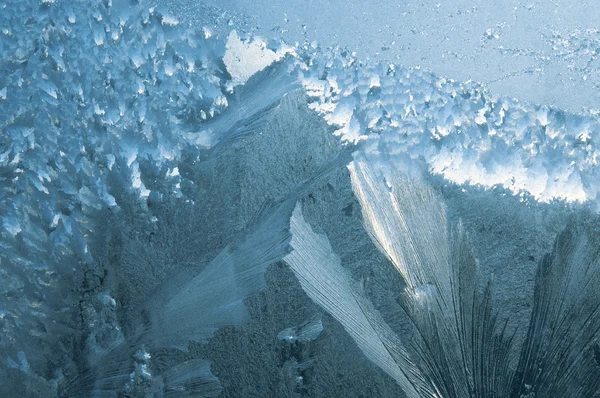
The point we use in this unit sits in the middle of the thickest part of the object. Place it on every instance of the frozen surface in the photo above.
(460, 129)
(244, 58)
(188, 209)
(544, 52)
(486, 93)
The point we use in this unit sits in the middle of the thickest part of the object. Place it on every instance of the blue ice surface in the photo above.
(102, 103)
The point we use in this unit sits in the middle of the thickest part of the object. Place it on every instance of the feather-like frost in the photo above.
(559, 356)
(457, 343)
(326, 282)
(189, 379)
(307, 331)
(215, 297)
(192, 308)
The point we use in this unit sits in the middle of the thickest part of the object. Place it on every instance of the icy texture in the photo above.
(459, 129)
(306, 332)
(106, 111)
(461, 349)
(457, 347)
(321, 275)
(88, 88)
(244, 59)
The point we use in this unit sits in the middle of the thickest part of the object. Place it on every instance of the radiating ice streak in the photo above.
(189, 379)
(564, 329)
(250, 101)
(457, 344)
(326, 282)
(408, 222)
(215, 297)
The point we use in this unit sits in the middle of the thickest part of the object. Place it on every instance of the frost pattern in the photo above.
(459, 129)
(457, 347)
(321, 275)
(102, 107)
(89, 90)
(244, 58)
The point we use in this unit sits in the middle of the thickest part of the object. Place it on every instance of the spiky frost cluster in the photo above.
(86, 89)
(459, 129)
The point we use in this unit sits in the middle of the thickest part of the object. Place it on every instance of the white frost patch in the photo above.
(244, 58)
(169, 20)
(136, 180)
(204, 138)
(106, 299)
(174, 172)
(11, 225)
(110, 161)
(459, 129)
(342, 116)
(55, 221)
